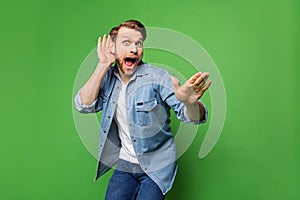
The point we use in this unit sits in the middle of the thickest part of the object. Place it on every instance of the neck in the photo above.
(124, 77)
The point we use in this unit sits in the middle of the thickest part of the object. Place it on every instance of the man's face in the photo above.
(128, 50)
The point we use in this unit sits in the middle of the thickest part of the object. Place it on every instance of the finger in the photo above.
(198, 82)
(205, 76)
(201, 80)
(194, 78)
(200, 85)
(200, 91)
(175, 82)
(206, 86)
(107, 42)
(99, 44)
(103, 42)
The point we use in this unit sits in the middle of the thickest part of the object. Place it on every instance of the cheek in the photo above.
(121, 51)
(140, 53)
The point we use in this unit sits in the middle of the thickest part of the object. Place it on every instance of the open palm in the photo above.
(105, 50)
(193, 89)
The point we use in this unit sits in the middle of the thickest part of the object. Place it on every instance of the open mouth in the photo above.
(130, 62)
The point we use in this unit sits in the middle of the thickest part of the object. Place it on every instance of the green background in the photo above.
(255, 45)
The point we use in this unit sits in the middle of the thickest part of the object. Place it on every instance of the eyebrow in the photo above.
(128, 37)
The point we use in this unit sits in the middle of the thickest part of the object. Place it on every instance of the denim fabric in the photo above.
(129, 182)
(149, 98)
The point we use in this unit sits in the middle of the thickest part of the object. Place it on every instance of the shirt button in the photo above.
(134, 140)
(145, 168)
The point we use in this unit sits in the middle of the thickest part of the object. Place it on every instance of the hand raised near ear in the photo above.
(106, 50)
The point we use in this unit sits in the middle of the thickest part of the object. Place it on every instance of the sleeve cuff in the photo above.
(81, 107)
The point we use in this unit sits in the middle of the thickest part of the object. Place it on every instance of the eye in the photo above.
(126, 42)
(139, 44)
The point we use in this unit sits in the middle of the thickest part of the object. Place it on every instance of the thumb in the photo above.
(175, 82)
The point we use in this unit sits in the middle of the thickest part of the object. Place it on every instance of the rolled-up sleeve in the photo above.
(84, 108)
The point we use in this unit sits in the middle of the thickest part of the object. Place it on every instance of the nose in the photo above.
(133, 49)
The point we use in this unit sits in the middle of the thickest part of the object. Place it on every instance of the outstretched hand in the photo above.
(105, 50)
(193, 89)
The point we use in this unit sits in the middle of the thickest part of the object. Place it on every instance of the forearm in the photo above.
(196, 111)
(90, 90)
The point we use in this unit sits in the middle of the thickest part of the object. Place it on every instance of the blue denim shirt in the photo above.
(149, 98)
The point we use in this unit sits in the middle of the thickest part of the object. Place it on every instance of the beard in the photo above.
(127, 65)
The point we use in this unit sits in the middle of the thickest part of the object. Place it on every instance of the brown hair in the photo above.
(132, 24)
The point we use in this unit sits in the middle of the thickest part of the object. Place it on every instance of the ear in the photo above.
(113, 48)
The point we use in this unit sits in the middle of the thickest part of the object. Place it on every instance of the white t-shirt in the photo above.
(127, 151)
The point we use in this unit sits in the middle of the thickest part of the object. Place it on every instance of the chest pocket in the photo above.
(144, 109)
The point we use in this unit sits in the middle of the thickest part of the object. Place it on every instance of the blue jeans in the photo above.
(129, 182)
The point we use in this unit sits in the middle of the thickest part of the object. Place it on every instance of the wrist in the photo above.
(193, 111)
(103, 65)
(192, 105)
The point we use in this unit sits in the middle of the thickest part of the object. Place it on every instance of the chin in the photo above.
(129, 71)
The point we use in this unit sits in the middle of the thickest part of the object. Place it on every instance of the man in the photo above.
(135, 99)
